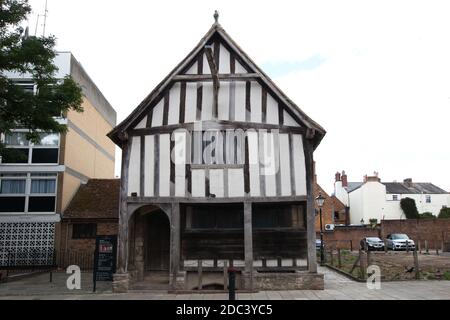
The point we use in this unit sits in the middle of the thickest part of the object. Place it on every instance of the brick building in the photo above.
(94, 210)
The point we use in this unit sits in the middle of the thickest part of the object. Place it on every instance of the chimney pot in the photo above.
(344, 179)
(337, 177)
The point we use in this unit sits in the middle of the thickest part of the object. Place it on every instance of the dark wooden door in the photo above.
(157, 241)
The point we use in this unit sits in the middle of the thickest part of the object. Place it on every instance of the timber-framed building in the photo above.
(217, 170)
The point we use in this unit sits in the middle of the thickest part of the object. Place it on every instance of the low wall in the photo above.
(289, 281)
(348, 237)
(435, 231)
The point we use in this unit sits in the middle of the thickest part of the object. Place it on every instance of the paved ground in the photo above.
(336, 287)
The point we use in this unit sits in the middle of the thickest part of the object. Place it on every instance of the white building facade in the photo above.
(373, 199)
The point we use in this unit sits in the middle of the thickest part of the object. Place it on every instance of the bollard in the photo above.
(426, 247)
(231, 283)
(51, 276)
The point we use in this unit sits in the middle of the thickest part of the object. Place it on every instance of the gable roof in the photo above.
(403, 188)
(414, 188)
(216, 30)
(97, 199)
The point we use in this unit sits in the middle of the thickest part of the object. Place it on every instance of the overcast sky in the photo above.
(374, 74)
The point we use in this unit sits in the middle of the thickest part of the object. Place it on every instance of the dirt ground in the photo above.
(400, 265)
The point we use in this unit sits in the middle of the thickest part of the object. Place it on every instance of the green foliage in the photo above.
(409, 208)
(444, 213)
(426, 215)
(33, 56)
(446, 275)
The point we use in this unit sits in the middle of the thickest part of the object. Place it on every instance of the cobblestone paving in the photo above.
(337, 287)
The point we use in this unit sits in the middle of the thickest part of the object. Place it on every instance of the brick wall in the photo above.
(433, 230)
(348, 237)
(84, 245)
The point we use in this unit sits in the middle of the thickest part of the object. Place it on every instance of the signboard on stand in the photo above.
(105, 258)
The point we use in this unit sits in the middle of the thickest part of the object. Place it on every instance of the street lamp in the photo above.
(319, 201)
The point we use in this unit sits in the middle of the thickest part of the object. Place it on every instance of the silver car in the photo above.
(399, 241)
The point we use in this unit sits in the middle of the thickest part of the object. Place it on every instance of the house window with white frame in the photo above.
(395, 197)
(428, 198)
(28, 192)
(44, 152)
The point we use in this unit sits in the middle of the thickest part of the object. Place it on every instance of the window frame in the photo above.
(30, 147)
(28, 177)
(83, 224)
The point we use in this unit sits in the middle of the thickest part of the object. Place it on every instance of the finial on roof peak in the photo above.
(216, 17)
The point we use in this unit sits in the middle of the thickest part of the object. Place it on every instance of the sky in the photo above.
(374, 74)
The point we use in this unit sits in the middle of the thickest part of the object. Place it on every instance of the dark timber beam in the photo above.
(221, 77)
(175, 244)
(310, 212)
(248, 243)
(123, 213)
(216, 84)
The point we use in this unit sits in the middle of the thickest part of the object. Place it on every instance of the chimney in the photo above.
(408, 182)
(337, 177)
(344, 179)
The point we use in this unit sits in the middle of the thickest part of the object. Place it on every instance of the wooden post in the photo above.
(339, 258)
(407, 246)
(426, 247)
(225, 275)
(385, 246)
(122, 252)
(368, 257)
(310, 211)
(416, 264)
(442, 246)
(331, 256)
(200, 274)
(362, 268)
(175, 242)
(419, 246)
(248, 242)
(437, 251)
(351, 245)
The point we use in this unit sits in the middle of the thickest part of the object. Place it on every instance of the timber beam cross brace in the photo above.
(215, 77)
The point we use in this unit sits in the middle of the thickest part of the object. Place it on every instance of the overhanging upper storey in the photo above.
(219, 85)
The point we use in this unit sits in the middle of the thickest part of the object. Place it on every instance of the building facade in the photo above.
(217, 168)
(35, 190)
(94, 210)
(373, 199)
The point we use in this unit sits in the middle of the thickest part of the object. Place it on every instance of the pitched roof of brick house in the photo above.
(97, 199)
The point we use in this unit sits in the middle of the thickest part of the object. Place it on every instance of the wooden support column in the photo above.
(248, 244)
(123, 214)
(139, 246)
(174, 244)
(310, 212)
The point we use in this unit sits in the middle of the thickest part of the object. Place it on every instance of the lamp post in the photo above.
(319, 201)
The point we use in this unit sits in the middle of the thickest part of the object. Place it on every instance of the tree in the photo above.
(444, 213)
(427, 215)
(34, 56)
(409, 207)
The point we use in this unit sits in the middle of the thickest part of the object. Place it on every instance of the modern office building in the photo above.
(35, 190)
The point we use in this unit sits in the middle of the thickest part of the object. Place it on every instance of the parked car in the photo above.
(372, 243)
(399, 241)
